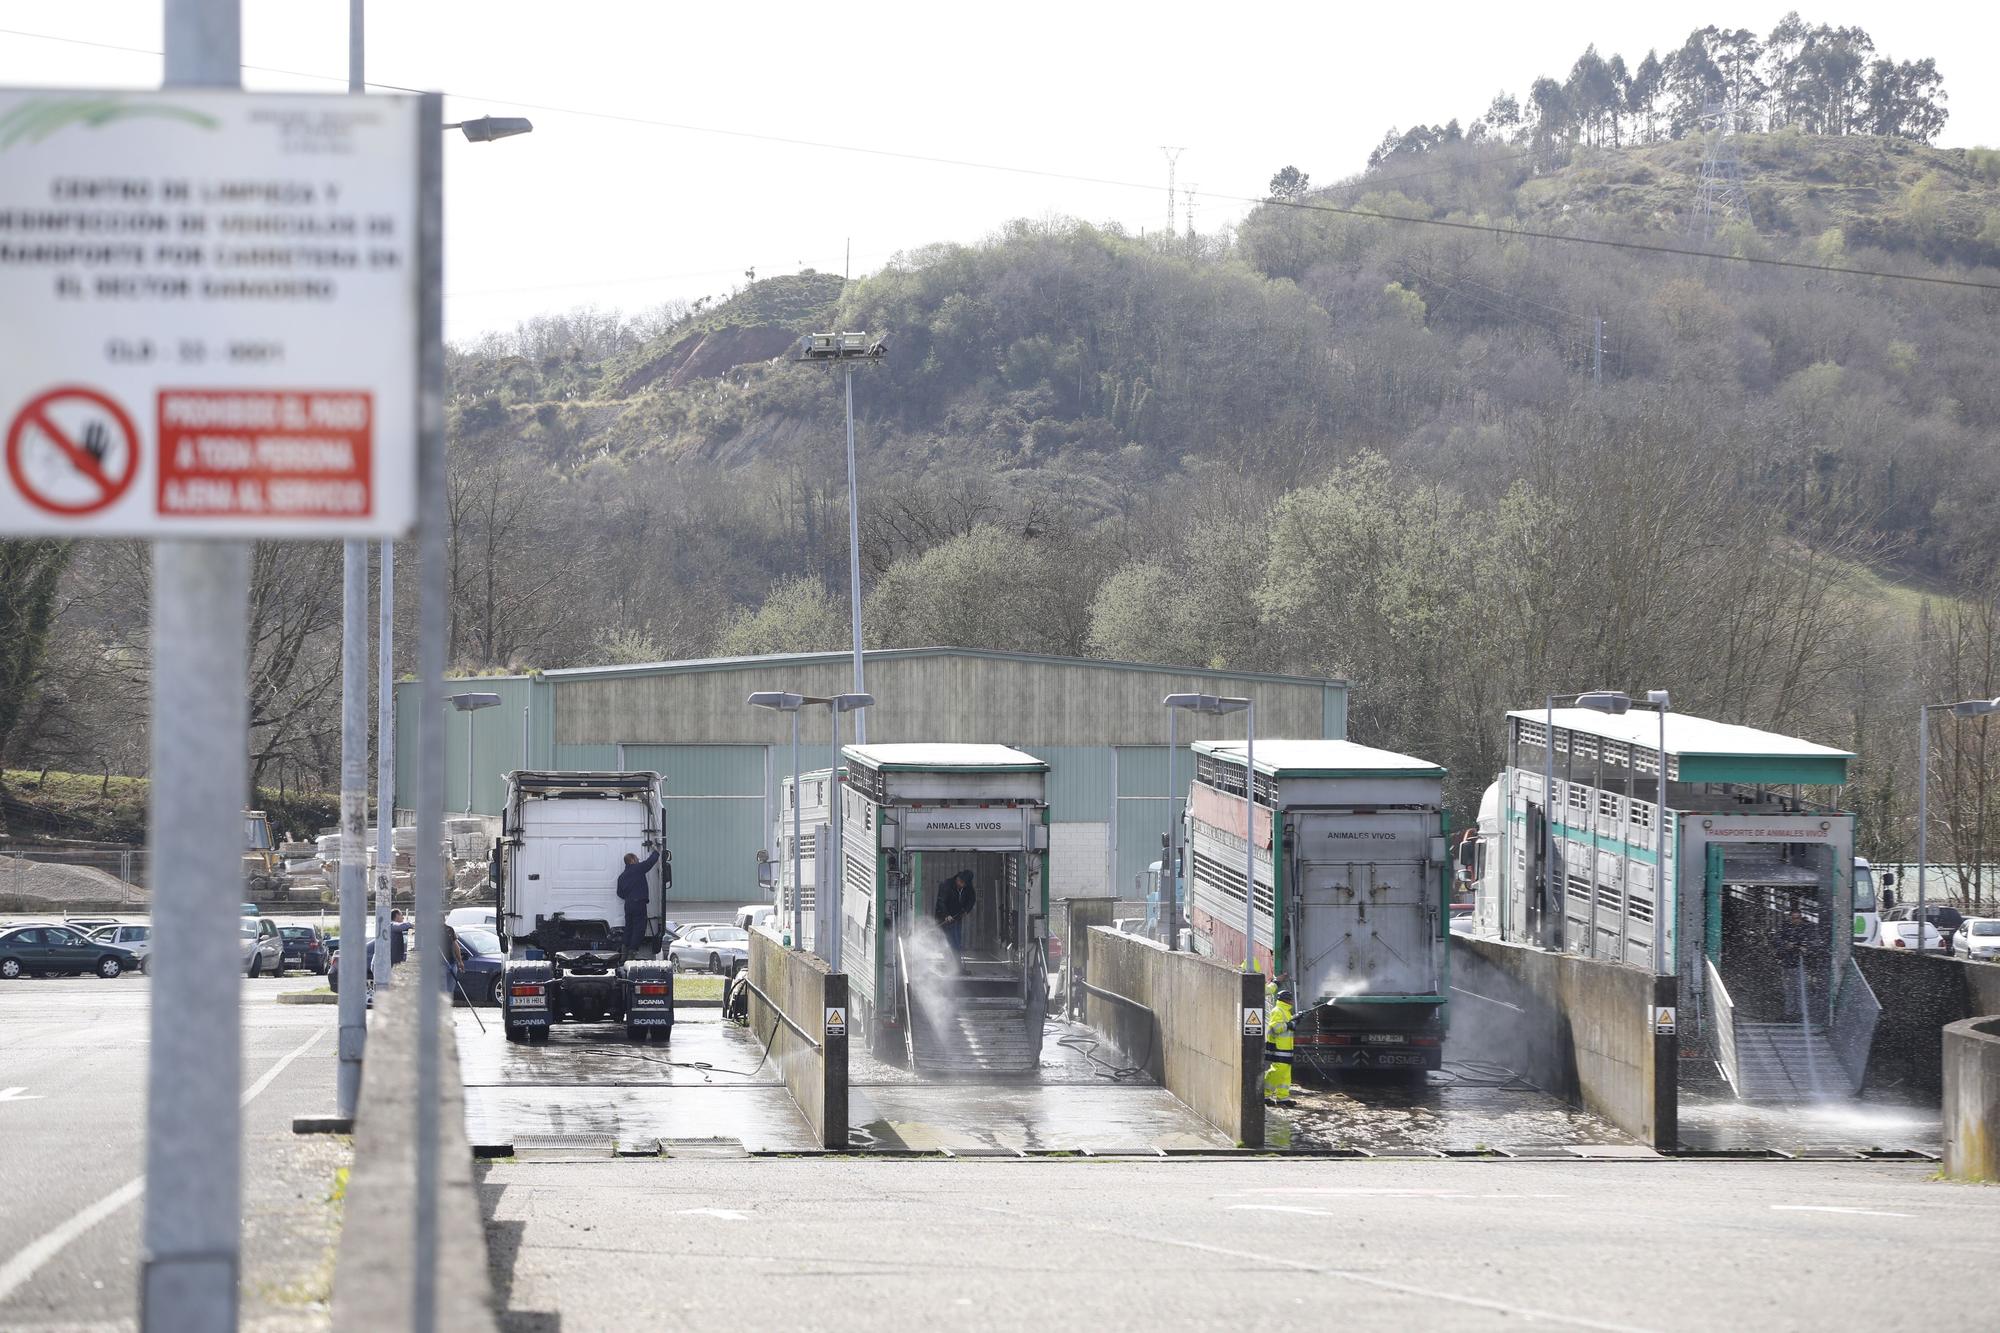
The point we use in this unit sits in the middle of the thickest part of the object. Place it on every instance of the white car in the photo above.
(1903, 935)
(472, 916)
(263, 949)
(755, 914)
(1978, 940)
(137, 938)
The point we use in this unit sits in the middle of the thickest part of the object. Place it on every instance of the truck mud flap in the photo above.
(526, 998)
(649, 999)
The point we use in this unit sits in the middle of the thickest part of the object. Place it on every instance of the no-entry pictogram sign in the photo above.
(72, 451)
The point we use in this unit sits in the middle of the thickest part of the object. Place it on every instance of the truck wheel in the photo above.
(538, 1034)
(513, 1031)
(633, 1032)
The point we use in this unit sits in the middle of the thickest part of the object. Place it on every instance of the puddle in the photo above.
(1879, 1121)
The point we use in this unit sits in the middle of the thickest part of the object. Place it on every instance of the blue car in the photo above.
(478, 976)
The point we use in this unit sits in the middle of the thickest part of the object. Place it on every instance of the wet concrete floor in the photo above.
(1879, 1121)
(1464, 1108)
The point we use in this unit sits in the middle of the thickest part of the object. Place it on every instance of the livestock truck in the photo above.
(913, 817)
(555, 867)
(1352, 883)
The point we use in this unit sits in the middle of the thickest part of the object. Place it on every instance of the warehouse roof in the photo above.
(1323, 759)
(927, 757)
(889, 654)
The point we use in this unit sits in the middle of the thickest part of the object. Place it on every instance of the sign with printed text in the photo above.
(836, 1022)
(1663, 1020)
(211, 314)
(1253, 1021)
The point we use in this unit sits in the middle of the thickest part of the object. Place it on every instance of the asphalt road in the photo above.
(72, 1142)
(1207, 1243)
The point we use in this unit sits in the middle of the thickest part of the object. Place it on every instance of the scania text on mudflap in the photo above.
(556, 867)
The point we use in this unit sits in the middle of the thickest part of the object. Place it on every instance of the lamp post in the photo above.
(470, 703)
(1963, 708)
(781, 702)
(1218, 705)
(1601, 701)
(1666, 905)
(828, 903)
(845, 350)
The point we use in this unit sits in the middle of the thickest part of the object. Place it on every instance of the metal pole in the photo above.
(829, 902)
(353, 998)
(471, 734)
(1170, 888)
(385, 759)
(798, 885)
(854, 563)
(430, 714)
(194, 1068)
(525, 762)
(1250, 848)
(353, 889)
(1923, 808)
(1666, 905)
(1548, 809)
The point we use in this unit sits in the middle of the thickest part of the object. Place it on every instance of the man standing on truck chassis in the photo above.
(633, 891)
(1278, 1044)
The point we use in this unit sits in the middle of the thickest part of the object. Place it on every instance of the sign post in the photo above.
(212, 336)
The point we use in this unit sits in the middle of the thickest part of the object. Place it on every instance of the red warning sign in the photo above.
(263, 453)
(72, 451)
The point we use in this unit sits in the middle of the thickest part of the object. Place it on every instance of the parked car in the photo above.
(89, 925)
(755, 914)
(479, 977)
(1945, 917)
(459, 917)
(1901, 933)
(719, 949)
(333, 964)
(263, 949)
(58, 950)
(303, 947)
(1978, 940)
(136, 937)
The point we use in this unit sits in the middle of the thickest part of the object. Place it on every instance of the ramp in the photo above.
(975, 1021)
(1800, 1060)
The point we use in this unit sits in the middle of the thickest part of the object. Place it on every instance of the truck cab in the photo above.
(555, 869)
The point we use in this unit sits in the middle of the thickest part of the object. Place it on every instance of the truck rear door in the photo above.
(570, 855)
(1366, 905)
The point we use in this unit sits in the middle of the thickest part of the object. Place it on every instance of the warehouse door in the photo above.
(715, 818)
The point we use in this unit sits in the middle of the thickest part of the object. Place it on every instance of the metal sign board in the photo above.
(836, 1022)
(211, 314)
(967, 828)
(1253, 1021)
(1663, 1020)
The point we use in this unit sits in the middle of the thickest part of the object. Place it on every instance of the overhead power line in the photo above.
(1314, 206)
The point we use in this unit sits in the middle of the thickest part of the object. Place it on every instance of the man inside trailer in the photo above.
(955, 900)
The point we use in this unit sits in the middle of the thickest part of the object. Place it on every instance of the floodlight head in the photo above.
(1213, 704)
(488, 128)
(848, 703)
(1975, 707)
(473, 701)
(1604, 701)
(777, 700)
(1659, 699)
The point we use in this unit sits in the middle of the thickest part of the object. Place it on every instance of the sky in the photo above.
(900, 115)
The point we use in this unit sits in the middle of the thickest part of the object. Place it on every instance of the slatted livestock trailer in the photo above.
(914, 816)
(1351, 895)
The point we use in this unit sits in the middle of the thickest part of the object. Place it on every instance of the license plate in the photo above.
(1382, 1038)
(530, 1002)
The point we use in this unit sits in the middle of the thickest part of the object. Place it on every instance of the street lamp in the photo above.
(1216, 706)
(781, 702)
(471, 702)
(1963, 708)
(1601, 701)
(828, 903)
(1665, 905)
(846, 350)
(488, 128)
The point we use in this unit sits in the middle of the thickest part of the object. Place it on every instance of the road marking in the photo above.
(726, 1214)
(16, 1095)
(24, 1265)
(1277, 1208)
(1829, 1208)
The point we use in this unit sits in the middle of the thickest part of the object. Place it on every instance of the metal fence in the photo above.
(1722, 1024)
(58, 880)
(1856, 1012)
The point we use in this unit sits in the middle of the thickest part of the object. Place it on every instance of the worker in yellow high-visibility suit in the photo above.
(1278, 1044)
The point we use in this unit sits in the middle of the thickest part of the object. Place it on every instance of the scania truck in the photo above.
(562, 844)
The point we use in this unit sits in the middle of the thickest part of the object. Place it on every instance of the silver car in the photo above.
(1978, 940)
(263, 949)
(719, 949)
(137, 938)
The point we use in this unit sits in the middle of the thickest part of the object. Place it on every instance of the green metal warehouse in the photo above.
(1099, 725)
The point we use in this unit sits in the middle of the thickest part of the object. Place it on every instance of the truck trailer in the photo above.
(563, 839)
(1352, 888)
(914, 817)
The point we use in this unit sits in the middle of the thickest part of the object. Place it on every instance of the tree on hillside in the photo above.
(1905, 100)
(30, 574)
(798, 615)
(1642, 96)
(1290, 183)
